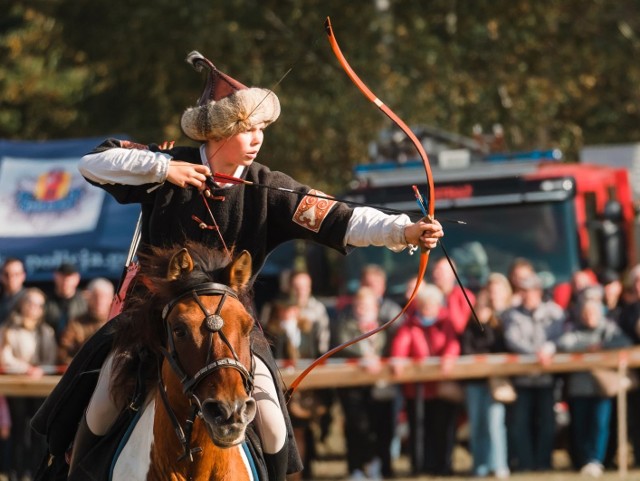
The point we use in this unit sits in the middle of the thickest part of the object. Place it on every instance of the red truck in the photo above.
(561, 216)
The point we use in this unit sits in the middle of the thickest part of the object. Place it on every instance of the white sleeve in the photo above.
(125, 166)
(369, 226)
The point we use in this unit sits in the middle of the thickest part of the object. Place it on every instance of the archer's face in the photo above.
(240, 149)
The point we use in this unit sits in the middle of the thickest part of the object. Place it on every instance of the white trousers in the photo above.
(103, 411)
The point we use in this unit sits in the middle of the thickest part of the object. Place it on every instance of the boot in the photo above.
(277, 464)
(82, 443)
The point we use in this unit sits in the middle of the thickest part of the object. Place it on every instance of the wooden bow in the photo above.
(424, 255)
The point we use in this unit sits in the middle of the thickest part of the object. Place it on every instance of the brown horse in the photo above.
(192, 314)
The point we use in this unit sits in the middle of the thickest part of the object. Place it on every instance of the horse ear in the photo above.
(240, 271)
(180, 263)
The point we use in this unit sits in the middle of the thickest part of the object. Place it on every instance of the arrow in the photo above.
(230, 179)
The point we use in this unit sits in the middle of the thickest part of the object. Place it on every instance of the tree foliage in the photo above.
(557, 73)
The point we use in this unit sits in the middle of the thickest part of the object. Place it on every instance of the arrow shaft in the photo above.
(235, 180)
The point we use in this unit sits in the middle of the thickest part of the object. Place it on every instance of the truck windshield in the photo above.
(542, 232)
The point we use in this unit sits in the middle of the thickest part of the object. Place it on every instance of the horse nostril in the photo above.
(215, 412)
(250, 409)
(220, 412)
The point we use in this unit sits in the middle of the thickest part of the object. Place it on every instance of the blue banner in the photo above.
(49, 214)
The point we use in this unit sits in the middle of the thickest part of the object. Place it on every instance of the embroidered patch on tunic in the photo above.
(312, 211)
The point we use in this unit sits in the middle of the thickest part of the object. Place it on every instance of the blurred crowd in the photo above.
(512, 424)
(38, 331)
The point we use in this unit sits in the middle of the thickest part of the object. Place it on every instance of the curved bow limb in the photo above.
(424, 256)
(386, 110)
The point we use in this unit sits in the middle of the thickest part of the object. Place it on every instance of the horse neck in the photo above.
(212, 463)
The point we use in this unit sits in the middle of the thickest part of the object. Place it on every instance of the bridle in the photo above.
(213, 323)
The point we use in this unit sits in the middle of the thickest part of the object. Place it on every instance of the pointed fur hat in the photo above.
(226, 107)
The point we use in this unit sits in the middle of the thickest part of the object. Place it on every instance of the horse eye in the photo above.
(179, 332)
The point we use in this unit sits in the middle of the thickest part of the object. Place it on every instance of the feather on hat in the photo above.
(226, 106)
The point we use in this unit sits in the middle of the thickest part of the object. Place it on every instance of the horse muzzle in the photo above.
(226, 421)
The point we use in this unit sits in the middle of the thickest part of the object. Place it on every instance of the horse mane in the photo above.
(139, 329)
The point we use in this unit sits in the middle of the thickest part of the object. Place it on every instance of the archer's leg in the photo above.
(103, 411)
(269, 422)
(100, 415)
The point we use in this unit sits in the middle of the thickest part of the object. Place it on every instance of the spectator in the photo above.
(293, 337)
(310, 308)
(630, 324)
(630, 313)
(99, 295)
(409, 287)
(614, 302)
(533, 327)
(12, 281)
(564, 294)
(375, 278)
(301, 288)
(583, 283)
(612, 291)
(499, 292)
(519, 269)
(488, 434)
(589, 408)
(26, 343)
(368, 411)
(458, 308)
(428, 333)
(66, 302)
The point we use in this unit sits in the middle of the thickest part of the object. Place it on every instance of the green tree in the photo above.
(40, 77)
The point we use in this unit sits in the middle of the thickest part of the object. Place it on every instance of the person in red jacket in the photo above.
(457, 306)
(428, 332)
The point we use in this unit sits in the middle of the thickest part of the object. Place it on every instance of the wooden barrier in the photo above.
(344, 373)
(26, 386)
(347, 372)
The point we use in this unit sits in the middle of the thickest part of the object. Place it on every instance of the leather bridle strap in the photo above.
(183, 438)
(207, 288)
(214, 324)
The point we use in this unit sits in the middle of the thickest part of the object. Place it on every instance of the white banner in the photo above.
(43, 198)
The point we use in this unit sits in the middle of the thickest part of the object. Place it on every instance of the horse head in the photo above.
(208, 368)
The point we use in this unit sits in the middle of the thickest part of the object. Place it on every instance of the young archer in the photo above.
(180, 202)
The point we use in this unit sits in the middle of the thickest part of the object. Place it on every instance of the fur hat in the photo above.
(226, 107)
